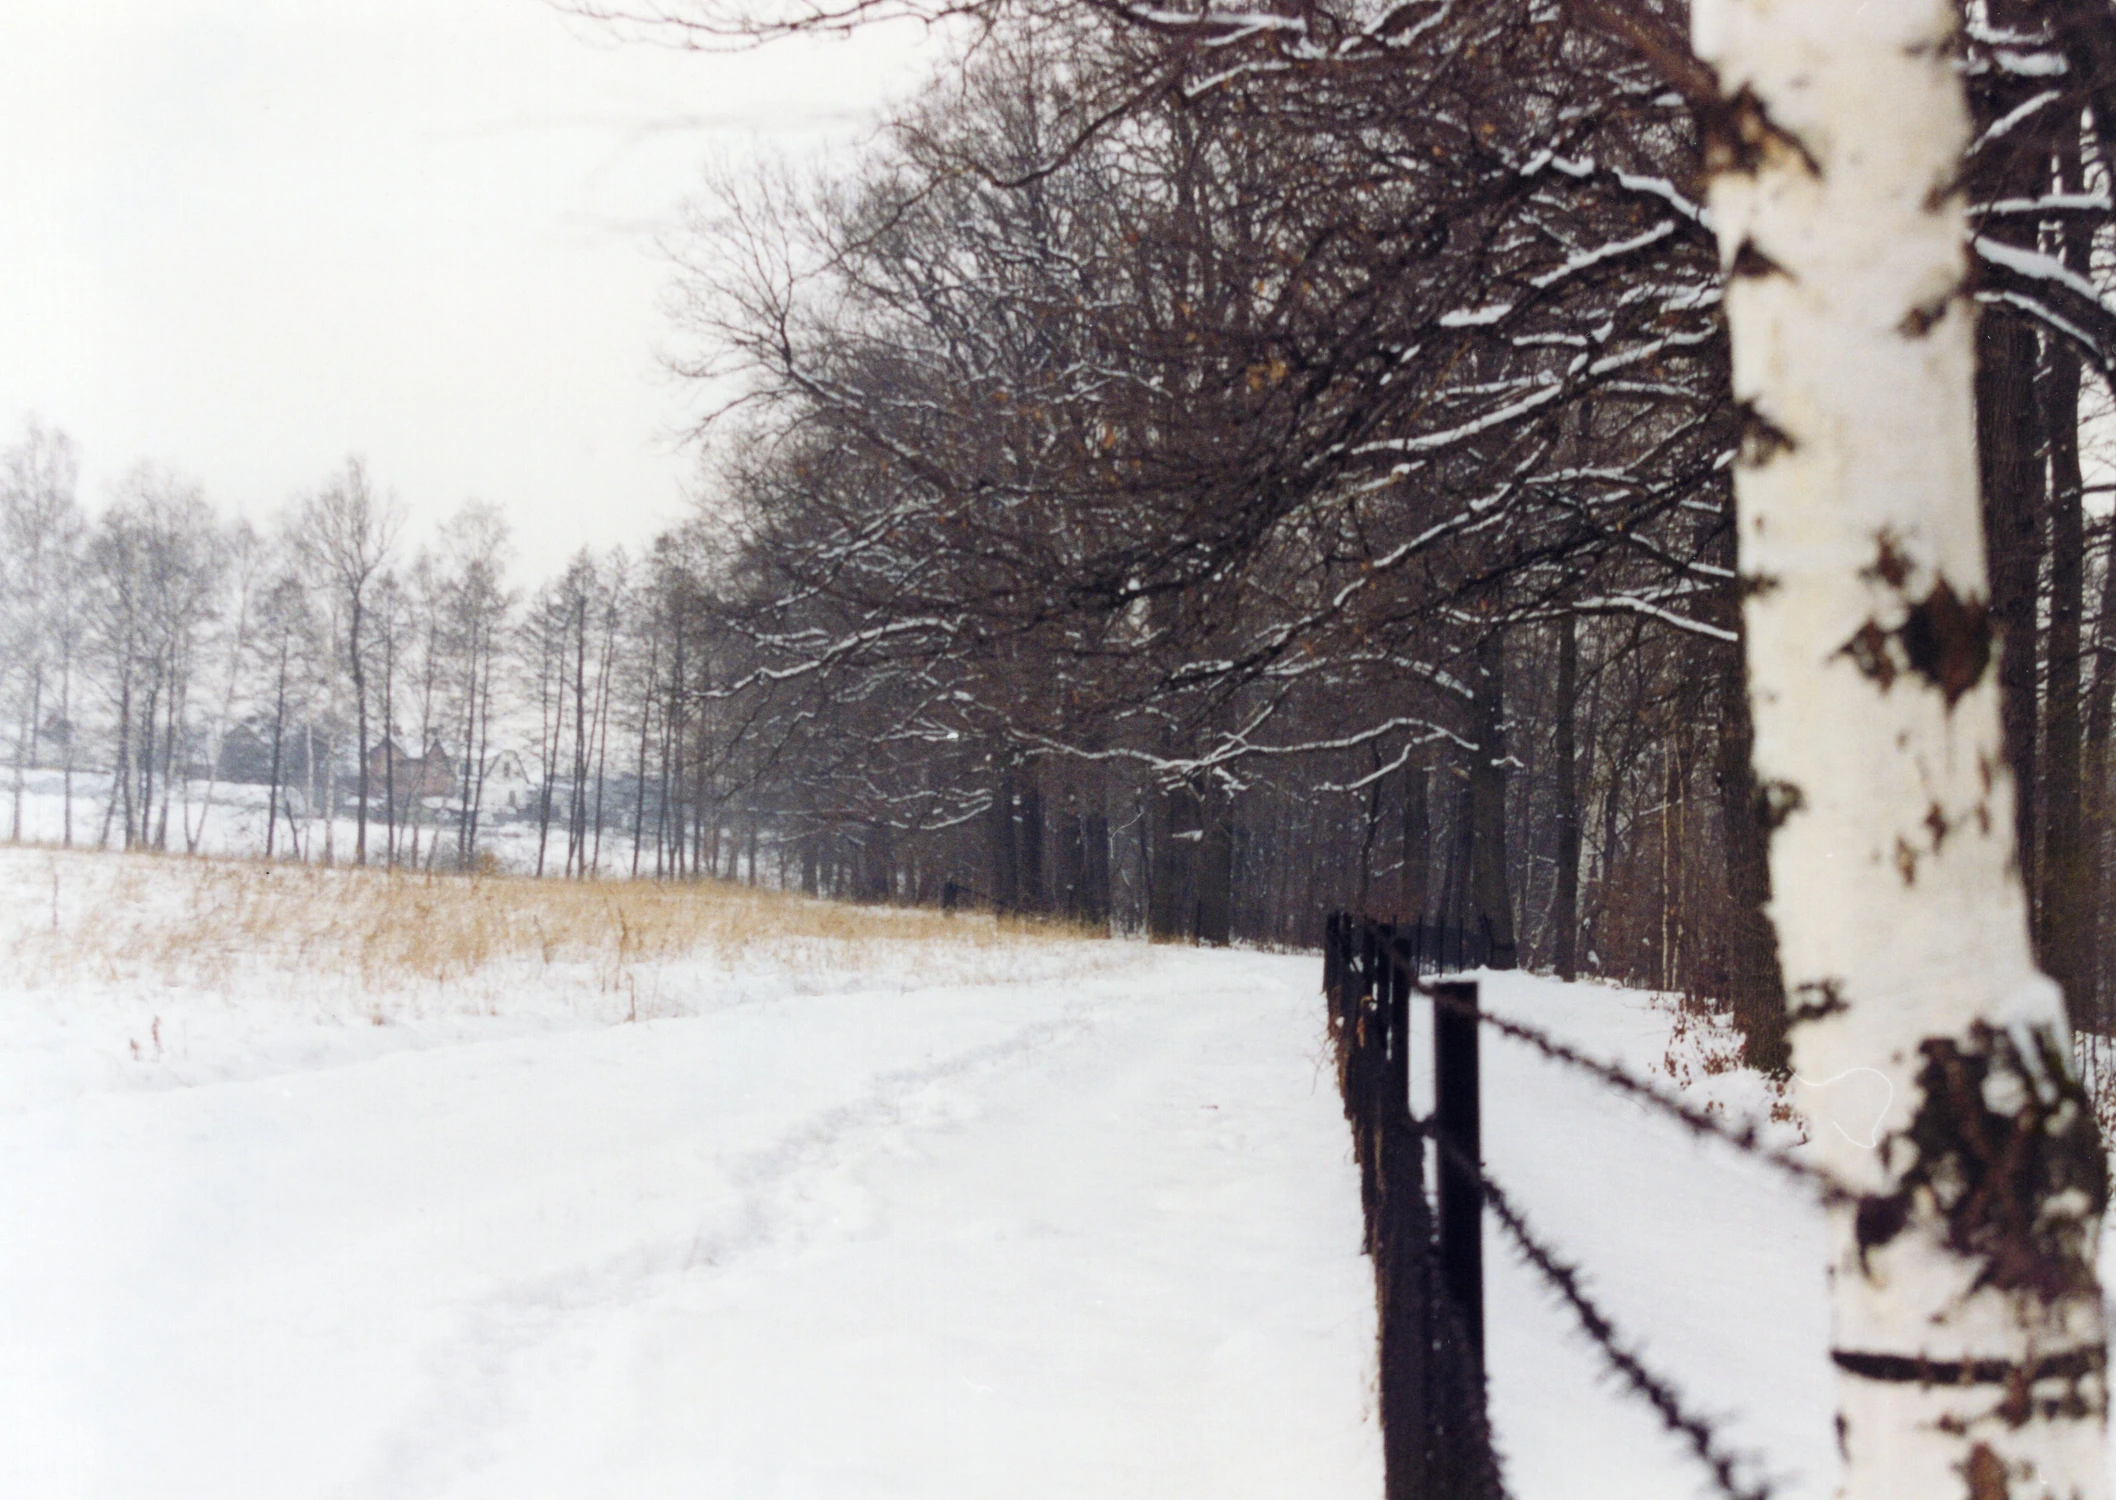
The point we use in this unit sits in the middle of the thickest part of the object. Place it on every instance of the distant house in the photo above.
(430, 775)
(508, 784)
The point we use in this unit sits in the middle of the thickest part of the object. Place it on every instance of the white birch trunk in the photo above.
(1967, 1320)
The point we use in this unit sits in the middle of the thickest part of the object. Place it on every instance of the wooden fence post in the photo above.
(1429, 1290)
(1457, 1125)
(1404, 1267)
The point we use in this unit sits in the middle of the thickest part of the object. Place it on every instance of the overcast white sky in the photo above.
(246, 238)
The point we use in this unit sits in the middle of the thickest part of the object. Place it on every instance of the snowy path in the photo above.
(1079, 1239)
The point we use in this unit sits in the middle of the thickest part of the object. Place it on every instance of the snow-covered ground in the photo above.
(936, 1213)
(1705, 1257)
(1082, 1225)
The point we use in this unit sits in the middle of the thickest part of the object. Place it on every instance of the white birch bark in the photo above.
(1967, 1322)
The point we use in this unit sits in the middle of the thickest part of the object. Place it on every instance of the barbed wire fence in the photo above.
(1427, 1250)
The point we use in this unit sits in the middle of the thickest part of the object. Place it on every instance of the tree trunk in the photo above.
(121, 774)
(2008, 440)
(1491, 901)
(701, 775)
(577, 803)
(2101, 707)
(1028, 843)
(389, 742)
(1755, 985)
(24, 732)
(1370, 825)
(470, 728)
(877, 865)
(551, 736)
(1177, 829)
(2067, 927)
(137, 830)
(1094, 839)
(330, 798)
(2066, 919)
(2009, 444)
(359, 664)
(646, 724)
(1565, 898)
(1967, 1320)
(1003, 842)
(72, 735)
(481, 763)
(604, 703)
(279, 719)
(665, 752)
(1216, 873)
(1069, 859)
(1417, 844)
(172, 720)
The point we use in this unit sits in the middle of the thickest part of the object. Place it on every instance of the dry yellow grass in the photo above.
(194, 921)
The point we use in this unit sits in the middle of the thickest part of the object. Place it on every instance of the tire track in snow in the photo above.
(466, 1402)
(814, 1145)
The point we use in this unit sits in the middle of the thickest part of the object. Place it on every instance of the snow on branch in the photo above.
(1625, 604)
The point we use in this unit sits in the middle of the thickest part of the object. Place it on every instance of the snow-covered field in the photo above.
(228, 818)
(819, 1205)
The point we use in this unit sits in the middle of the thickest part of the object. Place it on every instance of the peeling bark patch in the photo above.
(2070, 1382)
(1912, 1369)
(1944, 639)
(1740, 136)
(1816, 1000)
(1926, 316)
(2006, 1153)
(1761, 439)
(1879, 1220)
(1948, 640)
(1986, 1474)
(1889, 566)
(1781, 799)
(1749, 261)
(1870, 654)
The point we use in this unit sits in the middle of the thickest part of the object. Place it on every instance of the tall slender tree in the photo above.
(345, 535)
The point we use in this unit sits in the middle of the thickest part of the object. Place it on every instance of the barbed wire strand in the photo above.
(1747, 1137)
(1655, 1390)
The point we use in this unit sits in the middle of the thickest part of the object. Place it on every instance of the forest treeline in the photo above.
(1191, 471)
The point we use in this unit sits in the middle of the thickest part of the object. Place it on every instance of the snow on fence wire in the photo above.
(1428, 1265)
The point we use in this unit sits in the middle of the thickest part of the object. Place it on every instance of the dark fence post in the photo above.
(1363, 1073)
(1334, 983)
(1457, 1125)
(1428, 1289)
(1403, 1264)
